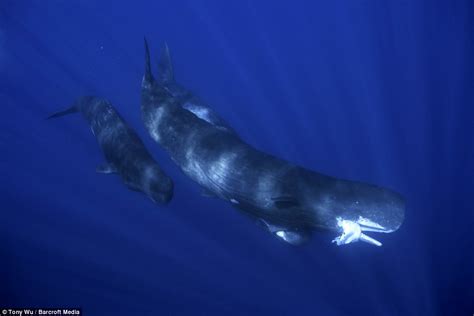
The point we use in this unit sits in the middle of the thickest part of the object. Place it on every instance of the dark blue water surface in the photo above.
(378, 91)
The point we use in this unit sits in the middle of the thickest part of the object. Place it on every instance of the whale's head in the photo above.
(354, 210)
(357, 208)
(157, 185)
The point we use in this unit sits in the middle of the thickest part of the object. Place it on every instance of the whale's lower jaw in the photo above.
(352, 231)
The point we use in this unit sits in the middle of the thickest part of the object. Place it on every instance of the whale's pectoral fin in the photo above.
(291, 236)
(294, 238)
(106, 168)
(285, 202)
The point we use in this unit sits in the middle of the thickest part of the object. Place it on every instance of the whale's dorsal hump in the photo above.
(165, 66)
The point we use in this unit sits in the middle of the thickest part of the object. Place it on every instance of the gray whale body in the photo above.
(124, 152)
(289, 200)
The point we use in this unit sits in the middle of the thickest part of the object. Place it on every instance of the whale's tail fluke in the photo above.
(72, 109)
(80, 105)
(165, 66)
(153, 92)
(148, 74)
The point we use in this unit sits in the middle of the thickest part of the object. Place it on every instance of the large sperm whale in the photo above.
(124, 152)
(289, 200)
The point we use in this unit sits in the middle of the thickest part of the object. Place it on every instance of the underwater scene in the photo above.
(236, 157)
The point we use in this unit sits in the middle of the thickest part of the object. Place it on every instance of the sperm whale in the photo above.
(124, 152)
(289, 200)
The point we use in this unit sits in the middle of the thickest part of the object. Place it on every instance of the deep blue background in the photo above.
(378, 91)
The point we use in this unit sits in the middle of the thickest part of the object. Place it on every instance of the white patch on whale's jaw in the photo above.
(352, 231)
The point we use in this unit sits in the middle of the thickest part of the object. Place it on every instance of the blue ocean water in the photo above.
(376, 91)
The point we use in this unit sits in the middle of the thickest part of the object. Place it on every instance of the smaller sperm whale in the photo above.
(124, 152)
